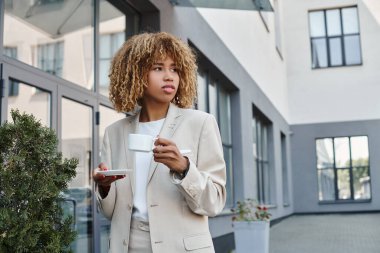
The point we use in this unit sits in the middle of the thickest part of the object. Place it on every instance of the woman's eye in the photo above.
(157, 68)
(174, 70)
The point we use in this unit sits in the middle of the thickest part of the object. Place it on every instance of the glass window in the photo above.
(50, 58)
(285, 181)
(114, 28)
(202, 92)
(319, 55)
(215, 99)
(107, 117)
(13, 85)
(343, 168)
(340, 45)
(31, 100)
(261, 126)
(77, 143)
(212, 99)
(55, 36)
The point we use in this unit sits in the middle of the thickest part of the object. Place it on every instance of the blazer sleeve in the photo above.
(204, 184)
(107, 204)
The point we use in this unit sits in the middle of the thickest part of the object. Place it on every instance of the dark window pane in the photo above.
(352, 49)
(325, 154)
(212, 96)
(336, 51)
(350, 20)
(229, 183)
(359, 151)
(326, 183)
(317, 24)
(202, 92)
(333, 22)
(344, 191)
(319, 53)
(266, 182)
(225, 116)
(13, 88)
(362, 183)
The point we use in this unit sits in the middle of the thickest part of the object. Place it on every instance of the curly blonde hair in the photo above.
(132, 62)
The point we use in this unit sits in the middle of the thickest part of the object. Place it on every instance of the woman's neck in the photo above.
(152, 112)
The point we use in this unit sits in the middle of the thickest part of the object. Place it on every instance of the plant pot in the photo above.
(251, 236)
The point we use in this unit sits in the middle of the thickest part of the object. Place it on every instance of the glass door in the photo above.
(76, 135)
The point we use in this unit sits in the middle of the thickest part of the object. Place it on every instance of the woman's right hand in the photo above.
(104, 182)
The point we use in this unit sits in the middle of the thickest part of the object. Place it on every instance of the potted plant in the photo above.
(32, 176)
(251, 227)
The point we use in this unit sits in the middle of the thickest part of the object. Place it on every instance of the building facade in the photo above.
(293, 90)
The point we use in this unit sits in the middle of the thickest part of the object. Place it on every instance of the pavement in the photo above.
(327, 233)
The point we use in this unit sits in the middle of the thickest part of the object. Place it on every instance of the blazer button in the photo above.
(125, 242)
(129, 207)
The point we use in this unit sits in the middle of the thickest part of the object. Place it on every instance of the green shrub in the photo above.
(32, 176)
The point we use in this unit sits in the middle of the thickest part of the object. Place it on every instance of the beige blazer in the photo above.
(178, 210)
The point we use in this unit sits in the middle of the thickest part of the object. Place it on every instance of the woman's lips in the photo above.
(168, 88)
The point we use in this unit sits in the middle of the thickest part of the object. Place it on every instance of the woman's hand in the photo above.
(104, 182)
(167, 152)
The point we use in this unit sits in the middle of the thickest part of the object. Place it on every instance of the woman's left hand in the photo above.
(167, 152)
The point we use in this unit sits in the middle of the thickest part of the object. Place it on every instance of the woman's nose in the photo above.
(168, 74)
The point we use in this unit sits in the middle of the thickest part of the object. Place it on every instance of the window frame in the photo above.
(211, 81)
(327, 38)
(263, 197)
(336, 169)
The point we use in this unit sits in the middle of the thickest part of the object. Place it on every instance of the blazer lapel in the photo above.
(131, 127)
(173, 118)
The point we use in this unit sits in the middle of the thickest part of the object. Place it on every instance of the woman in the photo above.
(164, 204)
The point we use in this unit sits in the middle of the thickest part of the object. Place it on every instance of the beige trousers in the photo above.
(139, 238)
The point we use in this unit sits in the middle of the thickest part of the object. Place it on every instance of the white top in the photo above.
(143, 160)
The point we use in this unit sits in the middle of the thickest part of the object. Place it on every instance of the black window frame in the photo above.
(263, 163)
(341, 37)
(350, 168)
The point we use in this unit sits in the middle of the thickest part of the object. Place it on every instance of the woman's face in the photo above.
(163, 81)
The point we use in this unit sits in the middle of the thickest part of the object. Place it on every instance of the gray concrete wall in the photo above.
(304, 160)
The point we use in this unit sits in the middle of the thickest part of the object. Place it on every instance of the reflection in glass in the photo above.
(55, 36)
(254, 138)
(342, 152)
(229, 182)
(212, 96)
(362, 184)
(77, 142)
(344, 191)
(352, 49)
(114, 27)
(225, 129)
(202, 94)
(326, 183)
(351, 166)
(31, 100)
(319, 53)
(317, 24)
(107, 117)
(336, 51)
(350, 20)
(225, 116)
(359, 151)
(333, 22)
(50, 58)
(325, 153)
(260, 146)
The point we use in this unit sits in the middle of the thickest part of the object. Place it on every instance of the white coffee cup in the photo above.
(145, 143)
(141, 142)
